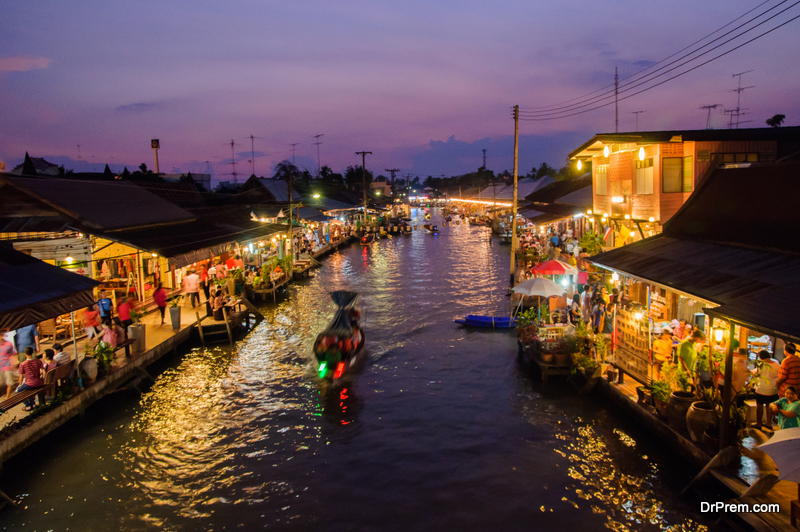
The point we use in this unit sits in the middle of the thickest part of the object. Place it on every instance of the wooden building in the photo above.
(647, 176)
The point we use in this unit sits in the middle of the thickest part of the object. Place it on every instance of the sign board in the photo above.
(154, 144)
(633, 352)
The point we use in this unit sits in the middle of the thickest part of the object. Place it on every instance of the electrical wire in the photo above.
(564, 103)
(540, 119)
(652, 76)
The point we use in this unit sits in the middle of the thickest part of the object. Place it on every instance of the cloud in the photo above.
(139, 107)
(23, 63)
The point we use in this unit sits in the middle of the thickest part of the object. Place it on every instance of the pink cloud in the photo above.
(22, 63)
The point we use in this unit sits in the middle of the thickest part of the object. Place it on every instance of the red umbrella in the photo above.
(554, 267)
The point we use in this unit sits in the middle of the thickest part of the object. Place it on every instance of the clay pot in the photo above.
(679, 403)
(547, 357)
(561, 359)
(700, 417)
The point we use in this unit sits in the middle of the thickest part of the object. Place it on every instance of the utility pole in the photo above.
(253, 154)
(363, 155)
(709, 108)
(616, 100)
(738, 111)
(514, 206)
(408, 188)
(233, 163)
(637, 113)
(155, 145)
(291, 226)
(293, 147)
(392, 171)
(319, 166)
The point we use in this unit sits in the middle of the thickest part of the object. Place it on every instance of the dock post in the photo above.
(227, 325)
(200, 329)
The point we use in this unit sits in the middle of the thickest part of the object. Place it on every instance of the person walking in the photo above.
(124, 314)
(105, 306)
(7, 364)
(160, 299)
(191, 285)
(789, 374)
(27, 336)
(766, 385)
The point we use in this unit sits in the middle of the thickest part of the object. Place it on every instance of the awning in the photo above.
(34, 291)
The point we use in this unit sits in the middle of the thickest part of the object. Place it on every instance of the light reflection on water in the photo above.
(441, 429)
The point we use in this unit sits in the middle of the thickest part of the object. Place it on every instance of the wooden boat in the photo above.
(496, 322)
(431, 229)
(341, 347)
(505, 238)
(368, 238)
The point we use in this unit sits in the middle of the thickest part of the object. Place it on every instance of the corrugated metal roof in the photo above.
(107, 205)
(34, 291)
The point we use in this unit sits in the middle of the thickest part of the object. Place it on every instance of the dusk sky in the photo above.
(423, 85)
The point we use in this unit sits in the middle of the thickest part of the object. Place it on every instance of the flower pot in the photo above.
(661, 407)
(700, 417)
(547, 357)
(175, 316)
(678, 405)
(561, 358)
(136, 332)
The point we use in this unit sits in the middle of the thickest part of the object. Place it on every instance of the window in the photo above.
(671, 174)
(677, 174)
(688, 174)
(601, 189)
(737, 157)
(644, 176)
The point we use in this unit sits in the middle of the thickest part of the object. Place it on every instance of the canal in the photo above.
(441, 430)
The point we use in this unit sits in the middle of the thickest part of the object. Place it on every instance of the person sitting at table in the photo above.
(119, 330)
(786, 408)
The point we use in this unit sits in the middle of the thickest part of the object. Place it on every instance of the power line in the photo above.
(656, 63)
(530, 117)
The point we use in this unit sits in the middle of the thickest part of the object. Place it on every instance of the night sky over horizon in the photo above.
(425, 86)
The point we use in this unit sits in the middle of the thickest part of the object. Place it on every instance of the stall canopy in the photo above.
(735, 243)
(35, 291)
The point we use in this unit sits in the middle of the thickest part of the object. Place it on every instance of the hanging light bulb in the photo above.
(718, 334)
(641, 154)
(69, 259)
(580, 164)
(606, 151)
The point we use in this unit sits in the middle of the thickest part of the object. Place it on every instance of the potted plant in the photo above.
(661, 392)
(681, 398)
(103, 354)
(137, 332)
(175, 312)
(565, 347)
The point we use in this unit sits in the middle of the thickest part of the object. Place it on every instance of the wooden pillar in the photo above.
(725, 436)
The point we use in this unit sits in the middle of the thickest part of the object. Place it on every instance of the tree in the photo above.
(284, 170)
(776, 120)
(352, 177)
(143, 168)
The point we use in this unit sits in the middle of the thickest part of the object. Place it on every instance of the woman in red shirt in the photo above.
(160, 298)
(30, 376)
(91, 320)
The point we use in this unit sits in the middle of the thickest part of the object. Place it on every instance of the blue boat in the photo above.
(496, 322)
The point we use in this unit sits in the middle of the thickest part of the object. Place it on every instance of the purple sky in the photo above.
(423, 85)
